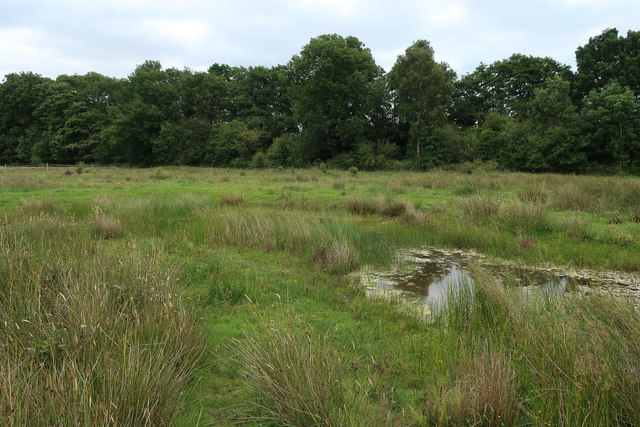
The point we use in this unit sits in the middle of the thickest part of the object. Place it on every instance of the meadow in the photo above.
(193, 296)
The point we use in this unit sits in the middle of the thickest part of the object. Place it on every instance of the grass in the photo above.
(191, 296)
(89, 334)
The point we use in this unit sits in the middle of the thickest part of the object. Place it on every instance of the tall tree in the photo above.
(264, 102)
(607, 58)
(148, 101)
(505, 87)
(611, 125)
(421, 89)
(547, 136)
(71, 118)
(333, 94)
(20, 96)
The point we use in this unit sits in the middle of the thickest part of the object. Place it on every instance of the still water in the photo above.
(426, 276)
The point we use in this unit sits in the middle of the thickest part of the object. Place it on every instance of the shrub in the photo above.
(353, 171)
(259, 160)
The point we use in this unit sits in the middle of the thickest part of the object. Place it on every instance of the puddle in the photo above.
(422, 278)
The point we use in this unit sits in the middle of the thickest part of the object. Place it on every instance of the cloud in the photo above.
(186, 33)
(112, 36)
(438, 14)
(24, 49)
(339, 8)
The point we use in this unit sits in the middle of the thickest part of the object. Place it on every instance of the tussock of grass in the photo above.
(232, 200)
(393, 208)
(88, 337)
(337, 258)
(531, 217)
(481, 209)
(299, 378)
(107, 227)
(387, 207)
(464, 190)
(534, 195)
(362, 207)
(487, 394)
(574, 225)
(554, 358)
(414, 216)
(36, 207)
(330, 243)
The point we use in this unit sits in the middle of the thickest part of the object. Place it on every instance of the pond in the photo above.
(422, 278)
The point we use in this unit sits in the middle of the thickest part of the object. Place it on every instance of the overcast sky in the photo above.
(53, 37)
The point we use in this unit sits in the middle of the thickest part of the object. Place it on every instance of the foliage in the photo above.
(334, 94)
(332, 104)
(606, 58)
(233, 142)
(611, 125)
(422, 89)
(504, 87)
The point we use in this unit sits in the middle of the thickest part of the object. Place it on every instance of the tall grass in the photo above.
(382, 206)
(531, 357)
(336, 244)
(89, 335)
(299, 378)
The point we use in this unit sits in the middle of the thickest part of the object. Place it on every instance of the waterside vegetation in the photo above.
(189, 296)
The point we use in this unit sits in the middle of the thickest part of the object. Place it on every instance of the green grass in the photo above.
(202, 296)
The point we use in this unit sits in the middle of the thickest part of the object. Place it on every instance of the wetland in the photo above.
(190, 296)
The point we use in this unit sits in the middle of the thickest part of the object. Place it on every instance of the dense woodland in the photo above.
(333, 104)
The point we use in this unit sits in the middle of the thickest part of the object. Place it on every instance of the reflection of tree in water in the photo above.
(427, 275)
(434, 273)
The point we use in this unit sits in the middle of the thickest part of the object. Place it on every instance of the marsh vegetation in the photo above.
(195, 296)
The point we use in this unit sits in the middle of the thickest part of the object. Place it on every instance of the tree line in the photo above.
(333, 104)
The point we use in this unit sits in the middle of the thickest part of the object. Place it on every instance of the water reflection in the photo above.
(425, 277)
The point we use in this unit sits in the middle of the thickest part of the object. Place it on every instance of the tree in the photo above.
(505, 87)
(421, 89)
(20, 96)
(333, 94)
(607, 58)
(546, 138)
(71, 118)
(148, 101)
(611, 125)
(264, 102)
(182, 143)
(233, 144)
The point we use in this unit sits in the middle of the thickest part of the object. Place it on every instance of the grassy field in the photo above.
(196, 296)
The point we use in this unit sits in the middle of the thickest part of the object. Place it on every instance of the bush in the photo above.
(80, 167)
(259, 160)
(353, 171)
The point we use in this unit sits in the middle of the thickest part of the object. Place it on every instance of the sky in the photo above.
(112, 37)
